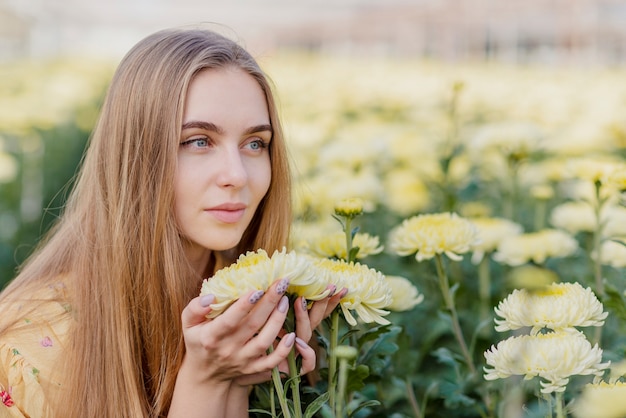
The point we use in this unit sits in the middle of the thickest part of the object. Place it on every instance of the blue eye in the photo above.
(258, 144)
(196, 142)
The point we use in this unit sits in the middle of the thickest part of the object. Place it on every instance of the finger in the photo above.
(266, 337)
(196, 311)
(308, 356)
(262, 309)
(304, 327)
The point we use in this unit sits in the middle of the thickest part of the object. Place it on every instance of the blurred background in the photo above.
(375, 70)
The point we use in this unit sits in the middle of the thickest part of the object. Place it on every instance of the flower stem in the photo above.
(560, 410)
(484, 287)
(348, 233)
(412, 400)
(295, 383)
(278, 386)
(332, 361)
(449, 301)
(343, 377)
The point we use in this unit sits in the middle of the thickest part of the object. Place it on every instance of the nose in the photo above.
(232, 170)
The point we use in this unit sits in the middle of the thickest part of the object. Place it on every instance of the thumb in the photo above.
(196, 311)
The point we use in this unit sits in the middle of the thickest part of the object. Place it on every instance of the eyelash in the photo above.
(262, 144)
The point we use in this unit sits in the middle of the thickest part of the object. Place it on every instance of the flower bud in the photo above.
(349, 208)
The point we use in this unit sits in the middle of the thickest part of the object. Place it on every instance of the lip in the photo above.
(227, 212)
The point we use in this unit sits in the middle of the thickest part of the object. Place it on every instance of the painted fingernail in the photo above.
(305, 305)
(332, 289)
(289, 339)
(301, 343)
(256, 296)
(282, 286)
(283, 305)
(206, 300)
(343, 292)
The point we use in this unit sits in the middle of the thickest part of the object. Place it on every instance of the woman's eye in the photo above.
(257, 144)
(196, 143)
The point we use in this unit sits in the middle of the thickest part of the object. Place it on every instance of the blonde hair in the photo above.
(117, 243)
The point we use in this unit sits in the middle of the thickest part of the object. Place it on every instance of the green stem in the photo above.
(348, 233)
(449, 301)
(540, 214)
(295, 383)
(332, 361)
(410, 394)
(484, 287)
(272, 401)
(278, 386)
(343, 378)
(560, 410)
(597, 243)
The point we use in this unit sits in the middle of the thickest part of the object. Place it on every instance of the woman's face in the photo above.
(223, 159)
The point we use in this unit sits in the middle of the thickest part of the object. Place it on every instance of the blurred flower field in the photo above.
(484, 185)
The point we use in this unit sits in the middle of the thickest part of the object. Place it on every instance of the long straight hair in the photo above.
(117, 246)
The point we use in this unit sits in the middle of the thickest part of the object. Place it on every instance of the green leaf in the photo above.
(365, 404)
(353, 252)
(316, 405)
(260, 411)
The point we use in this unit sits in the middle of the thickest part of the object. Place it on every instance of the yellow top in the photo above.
(29, 352)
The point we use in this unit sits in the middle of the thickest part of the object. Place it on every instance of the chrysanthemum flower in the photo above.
(554, 356)
(334, 245)
(404, 294)
(349, 207)
(612, 253)
(431, 234)
(574, 217)
(405, 191)
(601, 400)
(368, 290)
(256, 270)
(535, 246)
(491, 231)
(559, 306)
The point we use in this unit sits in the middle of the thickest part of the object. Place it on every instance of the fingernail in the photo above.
(343, 292)
(206, 300)
(305, 305)
(332, 289)
(282, 286)
(283, 305)
(301, 343)
(289, 339)
(254, 298)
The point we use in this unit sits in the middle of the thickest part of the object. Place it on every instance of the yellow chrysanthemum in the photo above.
(601, 400)
(559, 306)
(349, 207)
(554, 356)
(491, 231)
(612, 253)
(334, 245)
(535, 246)
(256, 270)
(431, 234)
(368, 290)
(574, 217)
(404, 294)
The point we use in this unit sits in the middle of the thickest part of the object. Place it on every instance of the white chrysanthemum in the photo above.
(334, 245)
(559, 306)
(404, 294)
(368, 294)
(406, 193)
(601, 400)
(431, 234)
(510, 139)
(574, 217)
(256, 270)
(491, 231)
(612, 253)
(535, 246)
(554, 357)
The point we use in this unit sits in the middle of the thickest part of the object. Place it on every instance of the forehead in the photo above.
(223, 93)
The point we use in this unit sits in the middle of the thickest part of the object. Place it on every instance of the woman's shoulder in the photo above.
(32, 343)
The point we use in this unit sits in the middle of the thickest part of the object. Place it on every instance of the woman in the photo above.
(186, 169)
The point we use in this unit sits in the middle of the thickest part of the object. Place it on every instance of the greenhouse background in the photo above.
(491, 110)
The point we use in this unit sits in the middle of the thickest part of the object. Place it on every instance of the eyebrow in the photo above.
(208, 126)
